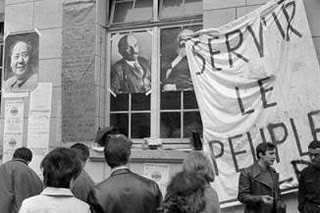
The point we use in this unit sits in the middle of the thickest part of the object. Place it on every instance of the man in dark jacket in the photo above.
(259, 183)
(309, 182)
(124, 191)
(17, 181)
(83, 184)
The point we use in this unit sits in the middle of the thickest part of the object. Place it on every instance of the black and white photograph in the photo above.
(131, 58)
(21, 62)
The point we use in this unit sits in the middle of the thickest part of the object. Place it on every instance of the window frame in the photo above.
(155, 97)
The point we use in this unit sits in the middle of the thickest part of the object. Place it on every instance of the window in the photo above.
(150, 91)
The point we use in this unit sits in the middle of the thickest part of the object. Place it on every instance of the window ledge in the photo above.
(148, 156)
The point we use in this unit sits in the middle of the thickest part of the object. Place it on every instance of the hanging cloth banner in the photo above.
(256, 80)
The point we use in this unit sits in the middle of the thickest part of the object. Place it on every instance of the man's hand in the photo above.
(267, 199)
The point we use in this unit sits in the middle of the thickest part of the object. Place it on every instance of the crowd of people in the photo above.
(66, 187)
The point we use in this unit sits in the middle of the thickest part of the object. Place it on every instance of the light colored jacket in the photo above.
(54, 200)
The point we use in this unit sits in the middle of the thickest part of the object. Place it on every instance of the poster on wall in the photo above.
(39, 124)
(257, 80)
(13, 127)
(131, 62)
(159, 173)
(21, 60)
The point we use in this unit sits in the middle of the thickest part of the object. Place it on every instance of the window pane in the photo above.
(193, 7)
(121, 121)
(171, 8)
(140, 101)
(140, 125)
(123, 12)
(143, 10)
(171, 100)
(189, 100)
(130, 59)
(191, 121)
(119, 103)
(170, 125)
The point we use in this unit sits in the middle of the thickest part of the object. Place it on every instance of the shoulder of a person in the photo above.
(307, 170)
(248, 169)
(119, 63)
(8, 83)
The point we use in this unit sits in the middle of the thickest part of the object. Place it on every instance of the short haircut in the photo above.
(199, 163)
(59, 167)
(82, 151)
(185, 193)
(23, 153)
(117, 150)
(263, 147)
(29, 46)
(314, 145)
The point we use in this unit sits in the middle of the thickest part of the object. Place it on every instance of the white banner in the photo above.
(257, 79)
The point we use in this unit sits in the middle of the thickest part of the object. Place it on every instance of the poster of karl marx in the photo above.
(21, 62)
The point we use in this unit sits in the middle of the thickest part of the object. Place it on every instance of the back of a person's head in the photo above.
(117, 150)
(59, 167)
(185, 193)
(314, 145)
(199, 163)
(82, 151)
(23, 153)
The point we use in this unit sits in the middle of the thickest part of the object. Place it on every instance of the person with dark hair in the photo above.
(185, 194)
(60, 168)
(309, 182)
(199, 163)
(124, 191)
(259, 183)
(17, 181)
(131, 74)
(83, 183)
(24, 78)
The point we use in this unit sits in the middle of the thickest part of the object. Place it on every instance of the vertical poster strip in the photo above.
(39, 124)
(13, 127)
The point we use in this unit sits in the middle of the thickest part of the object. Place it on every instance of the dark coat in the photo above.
(17, 182)
(125, 192)
(127, 79)
(253, 184)
(180, 76)
(82, 186)
(309, 190)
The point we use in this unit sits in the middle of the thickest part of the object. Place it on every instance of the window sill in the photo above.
(148, 156)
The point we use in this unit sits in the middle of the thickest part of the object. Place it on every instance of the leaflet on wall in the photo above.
(159, 173)
(13, 127)
(257, 80)
(39, 123)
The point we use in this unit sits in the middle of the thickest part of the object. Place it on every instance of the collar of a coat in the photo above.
(256, 171)
(20, 160)
(120, 171)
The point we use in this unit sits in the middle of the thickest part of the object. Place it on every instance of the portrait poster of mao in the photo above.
(21, 58)
(131, 62)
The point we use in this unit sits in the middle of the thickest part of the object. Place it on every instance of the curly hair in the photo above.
(185, 194)
(199, 163)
